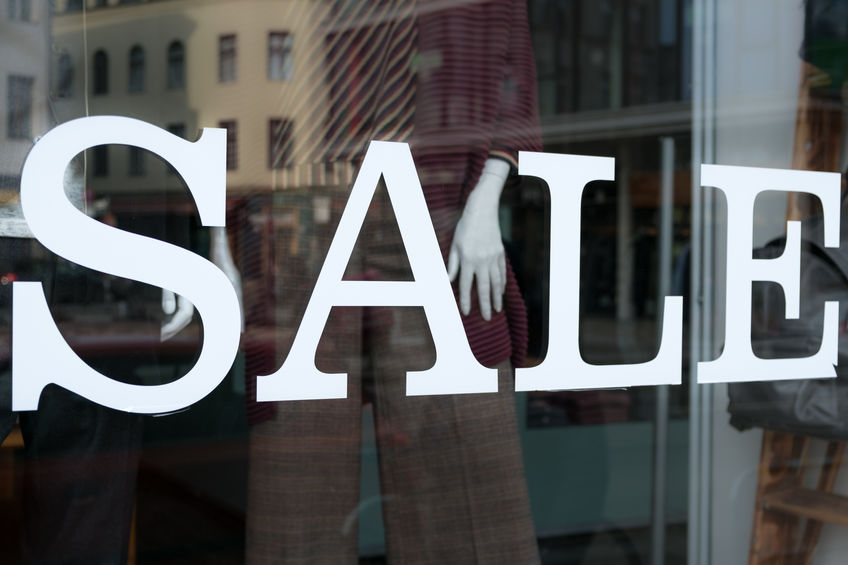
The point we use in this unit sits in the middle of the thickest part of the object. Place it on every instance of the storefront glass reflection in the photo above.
(301, 88)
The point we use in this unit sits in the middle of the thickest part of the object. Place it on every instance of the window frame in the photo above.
(175, 65)
(227, 58)
(136, 162)
(100, 161)
(19, 102)
(136, 69)
(280, 56)
(20, 10)
(100, 72)
(231, 125)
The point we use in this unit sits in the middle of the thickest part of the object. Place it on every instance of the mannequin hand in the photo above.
(181, 311)
(221, 256)
(477, 250)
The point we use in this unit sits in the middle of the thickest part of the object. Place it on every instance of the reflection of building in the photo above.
(24, 84)
(613, 80)
(185, 65)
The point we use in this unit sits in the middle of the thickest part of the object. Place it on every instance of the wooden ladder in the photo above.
(783, 504)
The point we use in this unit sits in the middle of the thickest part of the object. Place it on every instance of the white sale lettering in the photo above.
(40, 355)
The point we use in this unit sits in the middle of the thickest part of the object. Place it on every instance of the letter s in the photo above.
(40, 355)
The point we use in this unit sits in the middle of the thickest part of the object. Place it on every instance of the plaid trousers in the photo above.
(451, 472)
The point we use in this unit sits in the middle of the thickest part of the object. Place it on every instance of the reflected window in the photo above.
(232, 143)
(279, 55)
(136, 163)
(227, 58)
(64, 75)
(279, 143)
(136, 83)
(74, 6)
(20, 10)
(100, 163)
(19, 117)
(176, 65)
(101, 72)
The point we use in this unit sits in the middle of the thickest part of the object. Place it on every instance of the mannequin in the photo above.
(178, 308)
(457, 82)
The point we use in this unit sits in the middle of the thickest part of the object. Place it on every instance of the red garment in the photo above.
(478, 100)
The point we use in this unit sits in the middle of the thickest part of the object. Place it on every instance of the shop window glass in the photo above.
(469, 84)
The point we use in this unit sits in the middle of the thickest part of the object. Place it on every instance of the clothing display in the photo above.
(451, 474)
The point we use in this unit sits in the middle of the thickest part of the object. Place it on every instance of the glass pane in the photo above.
(346, 185)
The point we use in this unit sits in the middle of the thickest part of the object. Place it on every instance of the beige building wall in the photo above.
(251, 100)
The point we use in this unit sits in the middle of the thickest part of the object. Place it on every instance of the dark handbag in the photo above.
(816, 407)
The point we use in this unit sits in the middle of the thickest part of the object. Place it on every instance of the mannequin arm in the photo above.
(477, 251)
(223, 258)
(180, 309)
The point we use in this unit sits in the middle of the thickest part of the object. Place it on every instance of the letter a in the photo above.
(456, 371)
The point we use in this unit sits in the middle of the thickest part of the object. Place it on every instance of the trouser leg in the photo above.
(451, 469)
(80, 479)
(303, 489)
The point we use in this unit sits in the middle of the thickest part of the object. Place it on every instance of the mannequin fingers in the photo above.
(466, 277)
(453, 262)
(484, 289)
(502, 271)
(497, 287)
